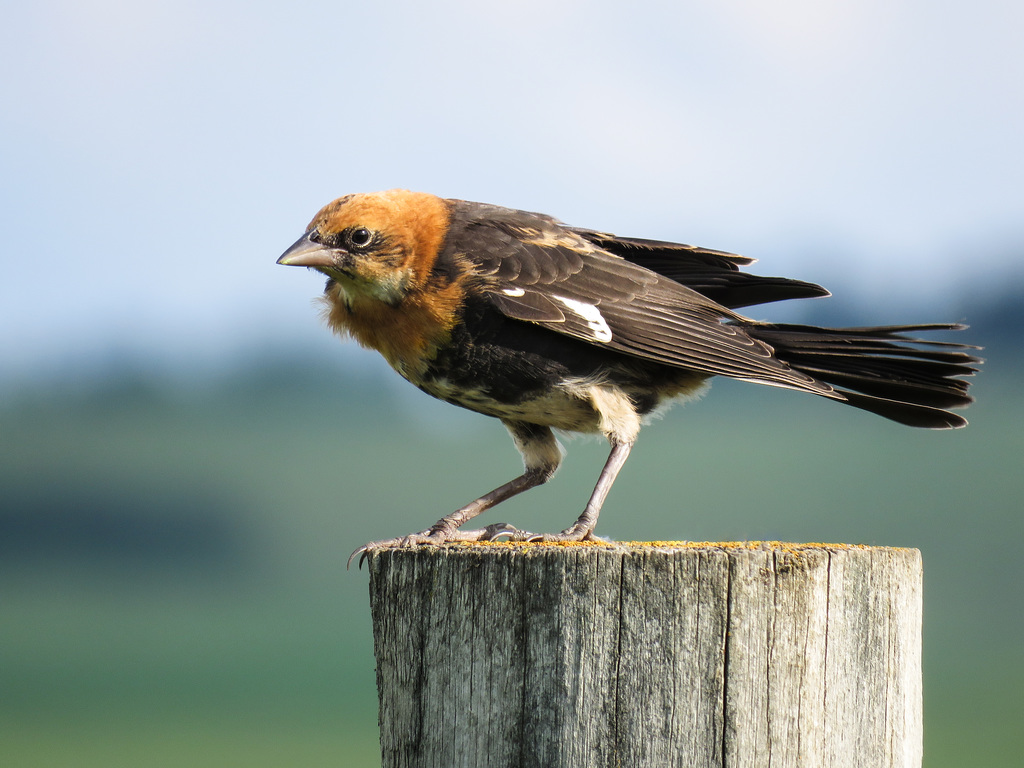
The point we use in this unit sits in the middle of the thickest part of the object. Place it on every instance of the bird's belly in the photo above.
(555, 407)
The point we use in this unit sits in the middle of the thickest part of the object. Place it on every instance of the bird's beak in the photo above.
(305, 253)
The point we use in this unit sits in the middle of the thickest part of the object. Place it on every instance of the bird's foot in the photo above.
(436, 536)
(577, 532)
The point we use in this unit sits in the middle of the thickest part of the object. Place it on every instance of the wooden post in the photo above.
(586, 656)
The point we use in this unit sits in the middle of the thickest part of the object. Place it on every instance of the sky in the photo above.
(157, 157)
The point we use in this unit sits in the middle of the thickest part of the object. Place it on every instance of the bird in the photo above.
(547, 327)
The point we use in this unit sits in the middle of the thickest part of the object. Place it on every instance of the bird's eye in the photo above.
(360, 237)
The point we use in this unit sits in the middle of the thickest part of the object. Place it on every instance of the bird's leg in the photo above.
(583, 528)
(541, 456)
(620, 423)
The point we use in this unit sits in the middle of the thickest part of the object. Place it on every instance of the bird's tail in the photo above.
(881, 369)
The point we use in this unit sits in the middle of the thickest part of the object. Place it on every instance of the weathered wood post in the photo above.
(648, 655)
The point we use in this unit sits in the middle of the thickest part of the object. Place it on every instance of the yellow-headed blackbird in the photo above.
(545, 326)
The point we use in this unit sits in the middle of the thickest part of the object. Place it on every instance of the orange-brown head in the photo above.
(379, 250)
(377, 245)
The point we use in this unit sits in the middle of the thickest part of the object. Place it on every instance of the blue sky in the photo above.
(157, 157)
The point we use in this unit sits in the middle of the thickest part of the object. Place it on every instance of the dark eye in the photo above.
(360, 237)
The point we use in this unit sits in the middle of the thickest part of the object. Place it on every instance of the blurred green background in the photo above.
(172, 561)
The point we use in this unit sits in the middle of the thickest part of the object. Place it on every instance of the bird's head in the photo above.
(377, 245)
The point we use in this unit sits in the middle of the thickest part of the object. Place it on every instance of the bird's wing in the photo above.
(715, 274)
(537, 270)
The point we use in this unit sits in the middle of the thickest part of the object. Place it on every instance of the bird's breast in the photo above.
(406, 334)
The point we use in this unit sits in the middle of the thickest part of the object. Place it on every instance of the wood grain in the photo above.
(751, 654)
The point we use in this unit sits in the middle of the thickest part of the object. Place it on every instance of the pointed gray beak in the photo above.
(305, 253)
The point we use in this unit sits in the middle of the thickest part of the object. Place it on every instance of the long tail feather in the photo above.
(881, 369)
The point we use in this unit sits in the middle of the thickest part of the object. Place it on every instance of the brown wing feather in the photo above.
(539, 271)
(715, 274)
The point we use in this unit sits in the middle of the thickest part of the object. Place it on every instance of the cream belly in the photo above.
(572, 409)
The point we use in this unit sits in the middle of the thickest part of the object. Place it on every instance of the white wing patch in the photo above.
(595, 321)
(513, 291)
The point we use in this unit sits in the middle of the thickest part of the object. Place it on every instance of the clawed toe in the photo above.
(574, 533)
(493, 532)
(412, 540)
(438, 536)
